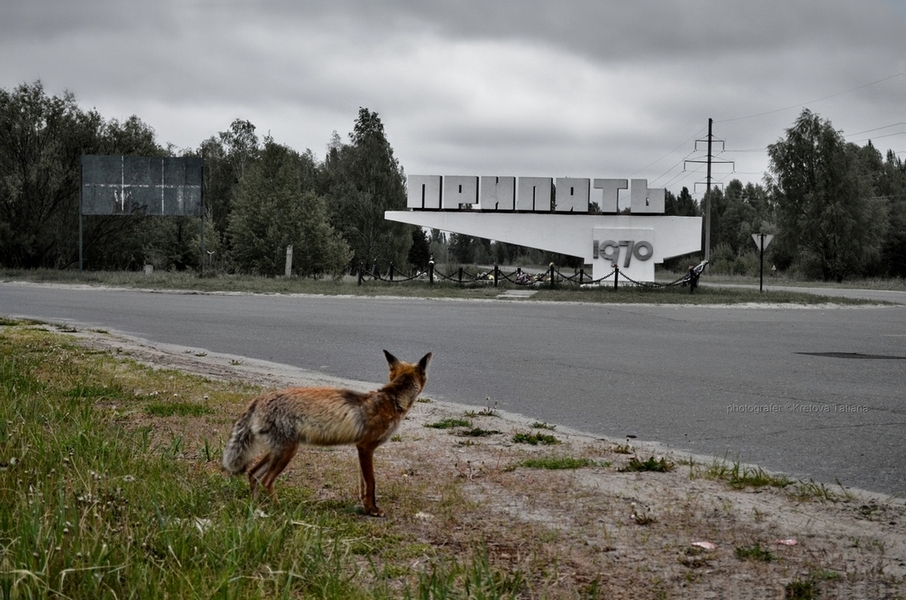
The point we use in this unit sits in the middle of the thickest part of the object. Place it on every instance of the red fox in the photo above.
(279, 421)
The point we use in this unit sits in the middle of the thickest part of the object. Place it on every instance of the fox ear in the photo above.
(423, 363)
(391, 360)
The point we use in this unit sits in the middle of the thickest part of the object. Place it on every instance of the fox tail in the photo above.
(242, 446)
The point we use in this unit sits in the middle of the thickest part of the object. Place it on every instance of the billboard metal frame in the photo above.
(129, 185)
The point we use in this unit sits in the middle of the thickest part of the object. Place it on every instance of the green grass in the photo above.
(738, 476)
(177, 409)
(422, 289)
(801, 589)
(756, 553)
(534, 439)
(449, 423)
(705, 295)
(90, 392)
(656, 465)
(97, 502)
(487, 411)
(874, 283)
(542, 425)
(474, 580)
(477, 432)
(812, 490)
(554, 463)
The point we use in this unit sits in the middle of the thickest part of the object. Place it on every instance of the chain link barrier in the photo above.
(690, 279)
(522, 278)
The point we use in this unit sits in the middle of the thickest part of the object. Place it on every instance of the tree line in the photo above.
(838, 209)
(260, 197)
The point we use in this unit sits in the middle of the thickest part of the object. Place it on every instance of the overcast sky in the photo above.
(588, 88)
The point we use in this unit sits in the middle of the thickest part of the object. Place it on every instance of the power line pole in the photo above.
(709, 159)
(708, 197)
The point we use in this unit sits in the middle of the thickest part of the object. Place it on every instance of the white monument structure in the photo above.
(557, 216)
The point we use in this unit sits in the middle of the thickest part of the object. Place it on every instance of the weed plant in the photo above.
(487, 411)
(477, 432)
(657, 465)
(756, 553)
(739, 476)
(448, 423)
(559, 462)
(535, 438)
(543, 425)
(178, 409)
(801, 589)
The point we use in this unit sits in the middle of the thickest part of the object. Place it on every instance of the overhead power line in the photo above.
(800, 104)
(901, 123)
(678, 176)
(697, 133)
(709, 160)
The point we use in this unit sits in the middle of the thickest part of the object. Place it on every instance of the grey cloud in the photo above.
(594, 88)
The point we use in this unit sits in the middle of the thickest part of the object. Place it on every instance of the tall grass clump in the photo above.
(475, 579)
(739, 476)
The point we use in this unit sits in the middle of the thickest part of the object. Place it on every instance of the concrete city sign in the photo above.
(531, 194)
(573, 216)
(633, 248)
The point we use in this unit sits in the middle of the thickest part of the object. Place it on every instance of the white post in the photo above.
(289, 261)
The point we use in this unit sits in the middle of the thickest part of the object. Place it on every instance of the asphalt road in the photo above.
(813, 392)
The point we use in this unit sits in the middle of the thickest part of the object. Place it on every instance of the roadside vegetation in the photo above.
(110, 483)
(562, 292)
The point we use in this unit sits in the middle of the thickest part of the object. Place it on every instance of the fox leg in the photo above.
(257, 471)
(280, 458)
(366, 462)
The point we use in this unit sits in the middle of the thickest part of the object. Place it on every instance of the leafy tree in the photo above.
(440, 250)
(463, 248)
(888, 185)
(363, 181)
(41, 141)
(739, 219)
(227, 156)
(683, 205)
(825, 205)
(718, 206)
(507, 254)
(272, 211)
(420, 250)
(265, 212)
(130, 137)
(218, 184)
(169, 242)
(320, 250)
(892, 188)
